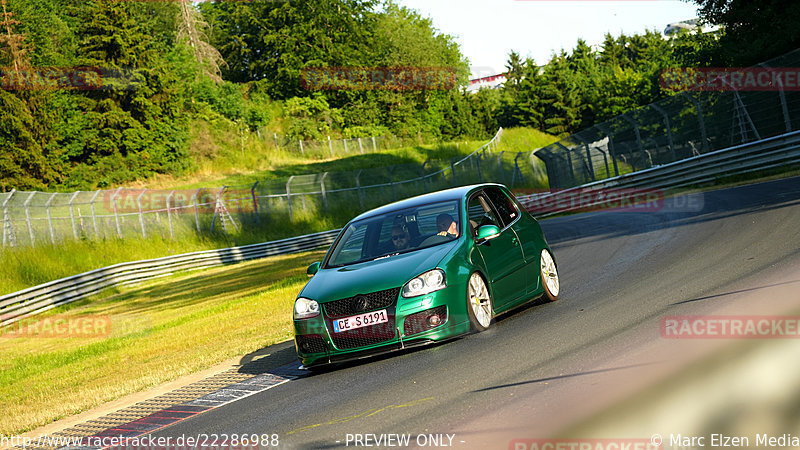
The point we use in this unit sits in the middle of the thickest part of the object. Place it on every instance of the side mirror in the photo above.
(487, 232)
(313, 269)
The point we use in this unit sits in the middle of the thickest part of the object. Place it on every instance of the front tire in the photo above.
(479, 303)
(549, 274)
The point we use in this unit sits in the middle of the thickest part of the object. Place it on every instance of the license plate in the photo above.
(360, 321)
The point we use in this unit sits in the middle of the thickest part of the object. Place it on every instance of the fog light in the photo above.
(434, 320)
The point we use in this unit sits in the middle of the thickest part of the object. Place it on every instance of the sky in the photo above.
(487, 30)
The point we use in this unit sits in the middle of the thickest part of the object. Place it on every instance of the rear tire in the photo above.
(479, 303)
(549, 274)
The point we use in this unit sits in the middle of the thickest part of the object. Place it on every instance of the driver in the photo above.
(446, 226)
(400, 237)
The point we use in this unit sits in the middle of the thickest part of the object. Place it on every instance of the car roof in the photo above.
(455, 193)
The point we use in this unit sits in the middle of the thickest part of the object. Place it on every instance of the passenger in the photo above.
(446, 226)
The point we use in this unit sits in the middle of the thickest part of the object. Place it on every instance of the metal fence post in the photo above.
(217, 210)
(289, 197)
(517, 170)
(302, 151)
(330, 146)
(94, 215)
(638, 137)
(169, 215)
(275, 135)
(345, 144)
(116, 214)
(701, 121)
(358, 188)
(424, 177)
(141, 213)
(610, 148)
(361, 146)
(669, 130)
(787, 121)
(196, 210)
(324, 193)
(500, 166)
(589, 162)
(72, 215)
(569, 162)
(605, 161)
(7, 220)
(374, 146)
(28, 216)
(255, 203)
(50, 217)
(478, 157)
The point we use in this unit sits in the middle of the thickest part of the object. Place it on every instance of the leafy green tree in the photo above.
(267, 40)
(754, 30)
(24, 164)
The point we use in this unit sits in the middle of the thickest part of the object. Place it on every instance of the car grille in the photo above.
(361, 337)
(311, 343)
(353, 305)
(417, 323)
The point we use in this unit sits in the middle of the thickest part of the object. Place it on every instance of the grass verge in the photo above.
(26, 267)
(159, 332)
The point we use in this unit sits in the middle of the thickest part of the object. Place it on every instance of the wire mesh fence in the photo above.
(32, 218)
(333, 147)
(733, 107)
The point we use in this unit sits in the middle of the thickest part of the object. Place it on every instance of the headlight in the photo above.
(305, 308)
(426, 283)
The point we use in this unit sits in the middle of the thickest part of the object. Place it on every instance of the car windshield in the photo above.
(401, 231)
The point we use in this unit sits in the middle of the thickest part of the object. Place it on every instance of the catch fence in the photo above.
(33, 218)
(721, 108)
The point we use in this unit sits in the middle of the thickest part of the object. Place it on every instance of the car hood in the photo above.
(371, 276)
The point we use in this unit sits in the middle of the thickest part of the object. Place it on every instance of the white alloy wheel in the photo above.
(549, 275)
(480, 303)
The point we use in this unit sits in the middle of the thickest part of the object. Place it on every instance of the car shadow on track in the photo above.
(275, 358)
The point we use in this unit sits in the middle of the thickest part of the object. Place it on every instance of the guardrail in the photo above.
(33, 218)
(741, 159)
(37, 299)
(760, 155)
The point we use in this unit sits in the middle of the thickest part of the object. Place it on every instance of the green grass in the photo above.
(224, 156)
(524, 140)
(159, 332)
(25, 267)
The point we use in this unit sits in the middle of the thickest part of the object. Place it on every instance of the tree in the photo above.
(274, 41)
(754, 30)
(192, 29)
(14, 46)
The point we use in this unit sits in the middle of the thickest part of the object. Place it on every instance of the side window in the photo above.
(480, 214)
(506, 209)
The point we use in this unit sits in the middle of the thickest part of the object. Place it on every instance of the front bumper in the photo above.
(316, 342)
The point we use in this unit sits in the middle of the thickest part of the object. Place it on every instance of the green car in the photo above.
(422, 270)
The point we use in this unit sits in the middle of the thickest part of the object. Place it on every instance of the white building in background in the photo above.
(497, 81)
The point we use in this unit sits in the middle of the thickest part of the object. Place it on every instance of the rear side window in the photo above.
(506, 209)
(480, 214)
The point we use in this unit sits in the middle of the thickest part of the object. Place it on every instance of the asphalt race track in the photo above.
(543, 367)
